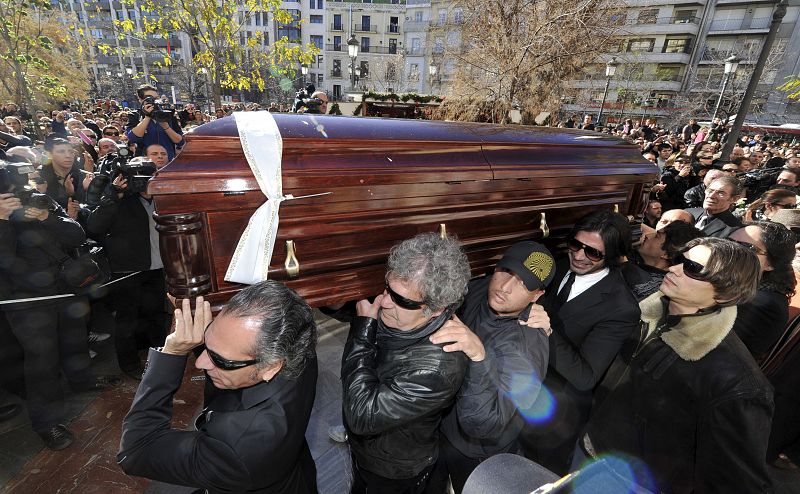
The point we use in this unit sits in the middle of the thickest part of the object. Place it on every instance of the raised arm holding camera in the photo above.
(157, 126)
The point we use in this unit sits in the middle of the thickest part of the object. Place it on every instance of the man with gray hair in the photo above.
(260, 360)
(714, 218)
(396, 382)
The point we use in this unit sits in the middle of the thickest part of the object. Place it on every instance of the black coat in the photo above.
(695, 196)
(55, 185)
(123, 228)
(691, 404)
(485, 419)
(393, 400)
(760, 322)
(247, 440)
(720, 226)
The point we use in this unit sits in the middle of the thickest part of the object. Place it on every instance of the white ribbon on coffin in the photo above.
(263, 148)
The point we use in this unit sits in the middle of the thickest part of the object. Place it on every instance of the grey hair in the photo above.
(731, 182)
(438, 266)
(287, 332)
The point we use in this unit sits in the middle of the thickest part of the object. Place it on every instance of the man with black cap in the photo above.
(507, 363)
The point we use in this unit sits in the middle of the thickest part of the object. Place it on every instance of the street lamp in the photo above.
(731, 64)
(352, 50)
(611, 69)
(304, 71)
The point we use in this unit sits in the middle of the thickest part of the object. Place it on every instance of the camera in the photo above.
(135, 172)
(303, 99)
(759, 181)
(161, 112)
(14, 179)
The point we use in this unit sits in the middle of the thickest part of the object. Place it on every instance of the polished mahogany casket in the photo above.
(388, 180)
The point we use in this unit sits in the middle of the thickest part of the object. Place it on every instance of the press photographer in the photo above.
(37, 237)
(123, 223)
(158, 125)
(309, 100)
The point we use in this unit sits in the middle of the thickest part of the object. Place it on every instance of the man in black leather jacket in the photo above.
(685, 403)
(396, 382)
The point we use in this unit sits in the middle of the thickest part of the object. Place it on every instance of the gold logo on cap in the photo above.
(540, 264)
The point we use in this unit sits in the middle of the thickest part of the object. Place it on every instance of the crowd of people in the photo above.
(648, 350)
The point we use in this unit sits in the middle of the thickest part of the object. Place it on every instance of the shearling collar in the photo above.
(693, 336)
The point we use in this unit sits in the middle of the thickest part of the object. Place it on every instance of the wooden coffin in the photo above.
(389, 179)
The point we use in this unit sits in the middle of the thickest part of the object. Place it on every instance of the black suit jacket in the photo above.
(247, 440)
(123, 228)
(720, 226)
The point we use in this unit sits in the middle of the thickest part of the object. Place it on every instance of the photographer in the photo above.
(317, 103)
(52, 333)
(155, 127)
(63, 178)
(123, 223)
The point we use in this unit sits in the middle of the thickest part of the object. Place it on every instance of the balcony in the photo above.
(719, 56)
(727, 26)
(415, 26)
(393, 28)
(663, 25)
(336, 74)
(365, 28)
(336, 47)
(337, 27)
(416, 51)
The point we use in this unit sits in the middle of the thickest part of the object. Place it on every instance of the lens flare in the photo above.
(533, 400)
(609, 474)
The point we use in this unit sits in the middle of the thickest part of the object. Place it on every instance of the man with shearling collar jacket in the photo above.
(685, 402)
(396, 382)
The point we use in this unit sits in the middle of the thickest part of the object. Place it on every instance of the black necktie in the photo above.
(563, 295)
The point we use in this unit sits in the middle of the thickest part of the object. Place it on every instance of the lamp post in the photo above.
(304, 72)
(611, 69)
(731, 64)
(432, 71)
(352, 50)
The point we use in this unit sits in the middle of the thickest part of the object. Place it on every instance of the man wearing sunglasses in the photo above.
(593, 312)
(396, 382)
(260, 359)
(685, 403)
(714, 219)
(498, 314)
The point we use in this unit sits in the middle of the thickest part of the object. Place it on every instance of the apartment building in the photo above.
(673, 54)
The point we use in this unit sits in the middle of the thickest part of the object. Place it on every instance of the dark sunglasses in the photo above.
(590, 252)
(691, 268)
(111, 133)
(751, 247)
(225, 364)
(401, 301)
(785, 206)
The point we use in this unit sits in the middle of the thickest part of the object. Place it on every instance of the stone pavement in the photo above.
(89, 465)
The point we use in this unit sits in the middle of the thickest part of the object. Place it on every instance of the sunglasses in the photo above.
(401, 301)
(225, 364)
(590, 252)
(691, 268)
(785, 206)
(111, 134)
(752, 248)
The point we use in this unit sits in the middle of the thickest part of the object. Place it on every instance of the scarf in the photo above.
(395, 339)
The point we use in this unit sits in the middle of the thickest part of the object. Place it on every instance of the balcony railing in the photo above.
(739, 24)
(335, 47)
(336, 74)
(364, 28)
(712, 55)
(665, 20)
(393, 28)
(337, 27)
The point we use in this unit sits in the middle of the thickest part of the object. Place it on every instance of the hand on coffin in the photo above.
(459, 339)
(188, 332)
(538, 319)
(366, 309)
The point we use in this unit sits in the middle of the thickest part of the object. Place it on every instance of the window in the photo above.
(392, 46)
(365, 23)
(365, 45)
(319, 79)
(668, 72)
(97, 33)
(364, 70)
(643, 44)
(684, 16)
(393, 25)
(319, 4)
(319, 61)
(120, 15)
(648, 16)
(458, 16)
(316, 19)
(292, 30)
(676, 45)
(438, 44)
(416, 48)
(316, 40)
(337, 43)
(313, 4)
(391, 72)
(337, 91)
(337, 68)
(413, 73)
(418, 16)
(337, 22)
(442, 17)
(257, 18)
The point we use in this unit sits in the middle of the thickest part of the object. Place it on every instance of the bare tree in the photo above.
(517, 54)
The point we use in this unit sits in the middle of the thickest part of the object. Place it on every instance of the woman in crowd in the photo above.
(769, 203)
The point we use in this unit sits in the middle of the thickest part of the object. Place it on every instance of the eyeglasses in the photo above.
(717, 192)
(785, 206)
(751, 247)
(692, 269)
(225, 364)
(111, 134)
(401, 301)
(705, 157)
(730, 170)
(591, 253)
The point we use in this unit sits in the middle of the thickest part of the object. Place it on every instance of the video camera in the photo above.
(135, 172)
(760, 180)
(161, 112)
(303, 99)
(14, 179)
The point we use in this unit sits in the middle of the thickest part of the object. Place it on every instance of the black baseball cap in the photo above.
(532, 262)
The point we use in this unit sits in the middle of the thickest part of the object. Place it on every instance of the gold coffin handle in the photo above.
(291, 263)
(543, 226)
(616, 208)
(442, 230)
